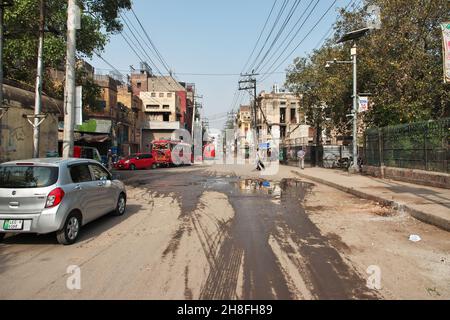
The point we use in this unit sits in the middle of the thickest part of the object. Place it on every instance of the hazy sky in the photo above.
(217, 37)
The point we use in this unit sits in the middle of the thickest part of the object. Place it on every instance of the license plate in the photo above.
(13, 225)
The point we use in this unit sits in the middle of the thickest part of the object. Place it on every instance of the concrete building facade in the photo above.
(281, 111)
(135, 119)
(164, 105)
(244, 128)
(16, 133)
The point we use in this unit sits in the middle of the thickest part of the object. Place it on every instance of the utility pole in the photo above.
(69, 95)
(195, 107)
(355, 97)
(249, 83)
(38, 93)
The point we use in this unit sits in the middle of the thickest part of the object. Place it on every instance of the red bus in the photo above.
(209, 151)
(171, 152)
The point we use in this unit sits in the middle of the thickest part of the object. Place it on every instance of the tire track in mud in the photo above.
(241, 245)
(322, 265)
(222, 280)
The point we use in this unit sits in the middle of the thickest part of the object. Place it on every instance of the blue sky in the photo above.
(217, 37)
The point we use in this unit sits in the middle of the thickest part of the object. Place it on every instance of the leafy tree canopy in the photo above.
(99, 21)
(399, 64)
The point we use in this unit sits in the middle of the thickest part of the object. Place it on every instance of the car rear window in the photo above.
(27, 176)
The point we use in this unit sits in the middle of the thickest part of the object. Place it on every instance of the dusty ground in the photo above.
(369, 234)
(210, 233)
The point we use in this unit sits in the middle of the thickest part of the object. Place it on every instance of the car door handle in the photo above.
(78, 187)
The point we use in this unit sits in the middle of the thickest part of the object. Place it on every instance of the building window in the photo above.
(169, 95)
(166, 106)
(139, 85)
(166, 117)
(152, 106)
(161, 95)
(153, 94)
(282, 115)
(282, 132)
(293, 116)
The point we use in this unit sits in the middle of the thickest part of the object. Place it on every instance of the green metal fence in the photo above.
(421, 145)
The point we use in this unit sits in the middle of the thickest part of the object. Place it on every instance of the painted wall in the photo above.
(16, 135)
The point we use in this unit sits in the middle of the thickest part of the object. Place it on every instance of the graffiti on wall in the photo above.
(9, 138)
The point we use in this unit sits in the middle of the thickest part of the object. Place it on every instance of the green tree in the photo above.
(99, 21)
(400, 64)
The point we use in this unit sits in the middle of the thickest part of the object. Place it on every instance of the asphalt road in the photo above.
(191, 233)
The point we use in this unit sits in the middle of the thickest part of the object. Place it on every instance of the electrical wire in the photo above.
(260, 35)
(304, 38)
(292, 29)
(280, 31)
(280, 13)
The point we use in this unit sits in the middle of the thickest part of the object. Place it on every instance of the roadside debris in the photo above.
(414, 238)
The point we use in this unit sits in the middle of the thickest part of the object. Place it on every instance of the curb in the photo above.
(419, 215)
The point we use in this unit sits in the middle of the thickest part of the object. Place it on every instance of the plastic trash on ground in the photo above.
(414, 238)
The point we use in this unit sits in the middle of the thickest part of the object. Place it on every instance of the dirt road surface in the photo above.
(223, 232)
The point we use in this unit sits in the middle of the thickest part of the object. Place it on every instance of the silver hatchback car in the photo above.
(56, 195)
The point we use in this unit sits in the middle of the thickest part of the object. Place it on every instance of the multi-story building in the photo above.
(164, 103)
(280, 116)
(125, 97)
(244, 128)
(111, 123)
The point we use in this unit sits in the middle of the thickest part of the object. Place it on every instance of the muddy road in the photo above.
(194, 233)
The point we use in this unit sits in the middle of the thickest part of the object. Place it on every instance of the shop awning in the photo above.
(94, 138)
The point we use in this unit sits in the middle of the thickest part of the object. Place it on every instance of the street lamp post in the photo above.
(353, 36)
(355, 109)
(354, 114)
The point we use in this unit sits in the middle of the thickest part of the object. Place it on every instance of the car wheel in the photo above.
(2, 235)
(69, 233)
(154, 166)
(121, 205)
(132, 167)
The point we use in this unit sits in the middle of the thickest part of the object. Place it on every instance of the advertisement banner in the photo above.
(446, 50)
(363, 104)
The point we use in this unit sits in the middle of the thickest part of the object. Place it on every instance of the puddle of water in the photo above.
(275, 189)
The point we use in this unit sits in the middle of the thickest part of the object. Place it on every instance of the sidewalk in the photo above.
(430, 205)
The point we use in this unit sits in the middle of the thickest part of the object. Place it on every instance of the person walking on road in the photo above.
(301, 158)
(259, 164)
(110, 159)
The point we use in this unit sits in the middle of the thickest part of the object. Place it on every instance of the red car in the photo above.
(136, 161)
